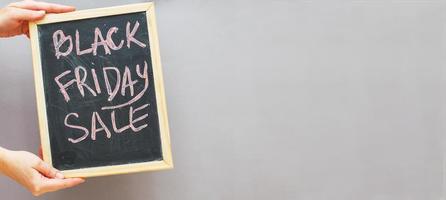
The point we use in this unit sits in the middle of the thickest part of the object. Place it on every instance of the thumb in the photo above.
(26, 15)
(48, 171)
(40, 152)
(51, 185)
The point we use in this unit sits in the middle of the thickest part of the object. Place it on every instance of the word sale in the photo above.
(98, 125)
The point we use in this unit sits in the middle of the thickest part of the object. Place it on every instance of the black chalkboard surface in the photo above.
(100, 92)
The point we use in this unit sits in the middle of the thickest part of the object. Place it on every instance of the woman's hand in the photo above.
(14, 18)
(34, 174)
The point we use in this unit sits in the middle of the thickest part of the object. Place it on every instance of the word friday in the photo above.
(129, 81)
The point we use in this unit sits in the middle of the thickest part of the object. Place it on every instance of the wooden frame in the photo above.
(166, 163)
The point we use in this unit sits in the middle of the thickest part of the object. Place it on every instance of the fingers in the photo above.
(48, 171)
(24, 14)
(48, 7)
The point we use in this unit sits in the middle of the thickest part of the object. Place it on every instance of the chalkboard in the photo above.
(100, 92)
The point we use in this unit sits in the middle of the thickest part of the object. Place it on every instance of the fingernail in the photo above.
(59, 175)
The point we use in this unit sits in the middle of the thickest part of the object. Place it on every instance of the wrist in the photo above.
(3, 157)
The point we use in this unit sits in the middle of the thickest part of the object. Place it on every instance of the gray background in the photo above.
(305, 100)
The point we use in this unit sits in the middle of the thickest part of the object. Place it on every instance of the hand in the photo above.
(14, 18)
(34, 174)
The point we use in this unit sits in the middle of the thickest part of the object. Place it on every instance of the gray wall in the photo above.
(283, 99)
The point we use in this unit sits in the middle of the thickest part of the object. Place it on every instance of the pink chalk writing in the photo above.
(110, 42)
(59, 39)
(80, 82)
(98, 125)
(107, 43)
(96, 118)
(130, 35)
(78, 51)
(137, 97)
(113, 87)
(107, 82)
(64, 86)
(76, 127)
